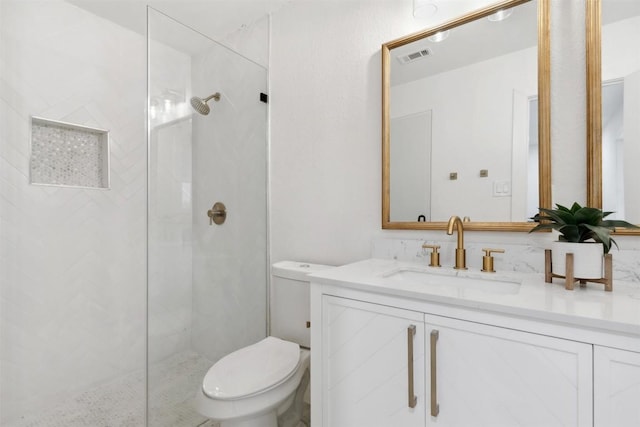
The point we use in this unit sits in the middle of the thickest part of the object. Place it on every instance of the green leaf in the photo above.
(591, 216)
(575, 207)
(612, 223)
(614, 242)
(561, 217)
(602, 235)
(570, 233)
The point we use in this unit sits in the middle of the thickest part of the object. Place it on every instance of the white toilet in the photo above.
(256, 385)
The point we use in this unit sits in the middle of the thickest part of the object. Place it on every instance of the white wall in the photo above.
(252, 42)
(620, 56)
(325, 126)
(72, 261)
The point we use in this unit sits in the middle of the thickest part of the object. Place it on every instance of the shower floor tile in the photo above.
(172, 386)
(120, 403)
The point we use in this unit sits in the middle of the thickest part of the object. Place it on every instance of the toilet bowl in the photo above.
(254, 385)
(263, 384)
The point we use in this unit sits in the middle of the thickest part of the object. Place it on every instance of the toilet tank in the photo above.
(290, 300)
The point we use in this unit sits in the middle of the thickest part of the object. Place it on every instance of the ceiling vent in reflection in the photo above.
(414, 56)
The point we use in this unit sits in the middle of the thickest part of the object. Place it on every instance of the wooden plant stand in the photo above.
(570, 280)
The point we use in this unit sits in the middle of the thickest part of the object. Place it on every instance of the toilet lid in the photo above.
(252, 369)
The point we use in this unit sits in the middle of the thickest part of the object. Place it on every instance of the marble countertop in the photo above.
(523, 294)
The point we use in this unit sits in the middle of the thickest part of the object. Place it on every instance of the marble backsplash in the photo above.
(524, 258)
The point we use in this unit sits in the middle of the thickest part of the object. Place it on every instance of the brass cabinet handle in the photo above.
(411, 332)
(435, 408)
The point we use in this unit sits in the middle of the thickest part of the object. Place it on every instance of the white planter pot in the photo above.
(587, 259)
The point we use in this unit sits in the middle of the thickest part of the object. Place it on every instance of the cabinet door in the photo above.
(617, 387)
(491, 376)
(366, 367)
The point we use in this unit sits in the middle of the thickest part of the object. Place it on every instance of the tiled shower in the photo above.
(116, 293)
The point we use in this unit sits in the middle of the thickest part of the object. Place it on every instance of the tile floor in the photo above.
(120, 403)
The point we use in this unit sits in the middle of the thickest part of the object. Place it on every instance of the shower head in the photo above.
(200, 105)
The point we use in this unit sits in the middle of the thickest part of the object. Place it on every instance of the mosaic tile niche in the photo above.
(65, 154)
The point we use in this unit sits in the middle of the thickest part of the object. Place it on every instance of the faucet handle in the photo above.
(487, 259)
(435, 255)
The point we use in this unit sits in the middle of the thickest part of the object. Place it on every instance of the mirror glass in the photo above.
(621, 108)
(460, 131)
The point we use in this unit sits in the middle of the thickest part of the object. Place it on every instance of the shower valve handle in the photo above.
(217, 214)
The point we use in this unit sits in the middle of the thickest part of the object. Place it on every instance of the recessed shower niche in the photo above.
(69, 155)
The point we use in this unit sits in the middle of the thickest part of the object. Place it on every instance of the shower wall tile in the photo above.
(72, 261)
(229, 166)
(170, 228)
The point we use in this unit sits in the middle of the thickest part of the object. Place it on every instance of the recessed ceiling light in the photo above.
(424, 8)
(439, 36)
(500, 15)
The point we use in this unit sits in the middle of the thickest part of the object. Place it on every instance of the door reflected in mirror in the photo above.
(411, 167)
(462, 117)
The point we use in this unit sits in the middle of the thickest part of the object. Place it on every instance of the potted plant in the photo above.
(583, 232)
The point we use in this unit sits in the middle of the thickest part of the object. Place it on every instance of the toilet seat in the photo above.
(252, 370)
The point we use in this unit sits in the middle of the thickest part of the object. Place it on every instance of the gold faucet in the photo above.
(460, 252)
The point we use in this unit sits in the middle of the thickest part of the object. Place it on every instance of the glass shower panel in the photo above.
(207, 282)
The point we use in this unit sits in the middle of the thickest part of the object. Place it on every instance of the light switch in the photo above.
(501, 188)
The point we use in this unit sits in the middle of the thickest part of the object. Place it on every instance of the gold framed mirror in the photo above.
(613, 107)
(437, 161)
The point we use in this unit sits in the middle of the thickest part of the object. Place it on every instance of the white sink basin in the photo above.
(455, 281)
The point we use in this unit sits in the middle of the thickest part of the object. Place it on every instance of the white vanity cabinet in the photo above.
(528, 354)
(366, 366)
(617, 387)
(493, 376)
(485, 375)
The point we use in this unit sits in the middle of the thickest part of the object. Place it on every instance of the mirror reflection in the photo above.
(463, 121)
(621, 108)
